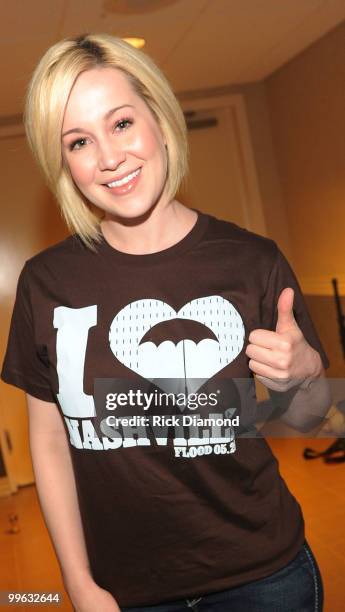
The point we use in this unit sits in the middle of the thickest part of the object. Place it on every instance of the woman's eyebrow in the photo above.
(105, 118)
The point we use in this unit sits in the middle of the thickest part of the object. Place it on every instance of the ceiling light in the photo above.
(138, 43)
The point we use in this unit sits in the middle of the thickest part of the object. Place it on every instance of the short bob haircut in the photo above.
(46, 101)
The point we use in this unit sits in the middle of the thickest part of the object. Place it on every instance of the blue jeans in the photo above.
(297, 587)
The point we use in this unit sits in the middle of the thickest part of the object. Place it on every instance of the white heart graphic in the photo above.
(186, 359)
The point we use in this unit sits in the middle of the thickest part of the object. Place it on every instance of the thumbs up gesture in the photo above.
(282, 359)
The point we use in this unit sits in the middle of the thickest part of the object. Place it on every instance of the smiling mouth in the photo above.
(125, 181)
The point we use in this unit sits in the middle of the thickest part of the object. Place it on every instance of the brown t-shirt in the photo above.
(171, 509)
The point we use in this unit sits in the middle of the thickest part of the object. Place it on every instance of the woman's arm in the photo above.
(59, 502)
(304, 407)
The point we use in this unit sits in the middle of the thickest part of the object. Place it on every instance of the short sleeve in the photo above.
(282, 276)
(23, 366)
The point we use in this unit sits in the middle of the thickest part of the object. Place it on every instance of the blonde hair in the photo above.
(46, 101)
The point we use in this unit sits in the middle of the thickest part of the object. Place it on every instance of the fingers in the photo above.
(275, 359)
(286, 319)
(262, 369)
(269, 339)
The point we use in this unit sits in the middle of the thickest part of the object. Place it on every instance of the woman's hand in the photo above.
(96, 599)
(87, 596)
(283, 359)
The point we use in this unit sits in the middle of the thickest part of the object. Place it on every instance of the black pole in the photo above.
(340, 315)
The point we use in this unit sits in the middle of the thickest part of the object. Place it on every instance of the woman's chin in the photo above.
(130, 214)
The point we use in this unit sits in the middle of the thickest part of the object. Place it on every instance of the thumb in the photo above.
(286, 319)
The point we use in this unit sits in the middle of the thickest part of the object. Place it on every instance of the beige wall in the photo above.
(29, 222)
(307, 105)
(258, 116)
(267, 171)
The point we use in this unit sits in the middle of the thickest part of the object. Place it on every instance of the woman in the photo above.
(155, 514)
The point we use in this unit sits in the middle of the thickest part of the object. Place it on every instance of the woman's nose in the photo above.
(110, 155)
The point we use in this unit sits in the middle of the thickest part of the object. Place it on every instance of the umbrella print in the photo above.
(199, 351)
(178, 332)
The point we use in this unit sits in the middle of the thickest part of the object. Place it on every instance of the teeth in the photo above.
(124, 180)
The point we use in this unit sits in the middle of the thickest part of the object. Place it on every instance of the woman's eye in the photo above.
(77, 144)
(123, 124)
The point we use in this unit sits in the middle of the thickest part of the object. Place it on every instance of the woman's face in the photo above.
(113, 145)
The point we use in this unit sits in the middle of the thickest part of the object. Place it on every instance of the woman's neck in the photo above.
(159, 230)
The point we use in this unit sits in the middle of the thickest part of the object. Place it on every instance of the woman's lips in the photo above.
(126, 187)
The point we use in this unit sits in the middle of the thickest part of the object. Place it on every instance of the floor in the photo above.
(320, 490)
(27, 560)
